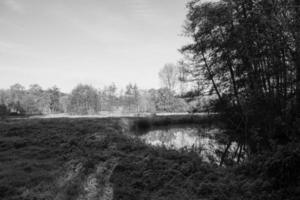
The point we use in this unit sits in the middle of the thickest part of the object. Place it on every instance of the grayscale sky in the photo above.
(66, 42)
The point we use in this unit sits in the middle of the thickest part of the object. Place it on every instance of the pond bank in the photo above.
(139, 124)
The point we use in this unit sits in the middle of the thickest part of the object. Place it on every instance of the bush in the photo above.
(3, 111)
(283, 167)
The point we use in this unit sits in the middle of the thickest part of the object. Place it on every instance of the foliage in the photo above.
(169, 76)
(54, 96)
(32, 101)
(83, 100)
(166, 101)
(243, 52)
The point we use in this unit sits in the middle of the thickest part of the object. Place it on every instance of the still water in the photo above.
(209, 143)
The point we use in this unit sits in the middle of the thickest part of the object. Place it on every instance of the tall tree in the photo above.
(244, 51)
(168, 76)
(297, 54)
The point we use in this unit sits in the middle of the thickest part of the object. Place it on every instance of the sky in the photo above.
(96, 42)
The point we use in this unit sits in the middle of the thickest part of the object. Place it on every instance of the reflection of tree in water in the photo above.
(211, 143)
(159, 137)
(177, 138)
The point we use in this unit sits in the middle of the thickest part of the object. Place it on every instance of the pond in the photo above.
(209, 143)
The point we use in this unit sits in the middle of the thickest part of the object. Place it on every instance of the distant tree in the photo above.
(34, 102)
(64, 102)
(83, 100)
(166, 101)
(131, 98)
(54, 95)
(16, 95)
(128, 97)
(44, 103)
(29, 104)
(136, 96)
(146, 102)
(36, 90)
(182, 77)
(168, 76)
(108, 97)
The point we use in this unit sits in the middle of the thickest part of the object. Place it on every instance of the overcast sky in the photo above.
(97, 42)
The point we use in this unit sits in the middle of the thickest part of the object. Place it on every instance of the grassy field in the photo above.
(88, 158)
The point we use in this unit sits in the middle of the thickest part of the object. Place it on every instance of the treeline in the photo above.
(85, 99)
(19, 101)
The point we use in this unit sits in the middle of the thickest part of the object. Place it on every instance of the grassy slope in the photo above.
(80, 158)
(35, 153)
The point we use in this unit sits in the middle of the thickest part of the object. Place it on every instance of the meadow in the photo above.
(93, 158)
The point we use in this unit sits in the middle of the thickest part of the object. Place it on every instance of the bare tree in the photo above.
(168, 76)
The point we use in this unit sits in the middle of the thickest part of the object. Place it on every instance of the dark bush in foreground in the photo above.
(3, 111)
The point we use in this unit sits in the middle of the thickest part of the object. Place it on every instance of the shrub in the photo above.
(3, 111)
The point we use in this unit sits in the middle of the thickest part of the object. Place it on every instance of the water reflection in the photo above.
(210, 143)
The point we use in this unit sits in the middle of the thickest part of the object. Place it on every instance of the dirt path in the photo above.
(83, 182)
(97, 184)
(74, 184)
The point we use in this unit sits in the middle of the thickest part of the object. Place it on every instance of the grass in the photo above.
(34, 152)
(52, 158)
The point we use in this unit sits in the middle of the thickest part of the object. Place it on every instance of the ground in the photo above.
(93, 158)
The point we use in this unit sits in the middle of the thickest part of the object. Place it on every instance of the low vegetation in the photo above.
(79, 158)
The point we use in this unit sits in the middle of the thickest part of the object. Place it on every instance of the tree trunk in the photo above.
(225, 153)
(211, 77)
(297, 33)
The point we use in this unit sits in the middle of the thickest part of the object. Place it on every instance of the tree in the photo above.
(29, 104)
(146, 101)
(36, 102)
(168, 76)
(108, 97)
(64, 102)
(297, 55)
(35, 89)
(16, 94)
(243, 52)
(83, 100)
(182, 77)
(165, 101)
(131, 97)
(54, 95)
